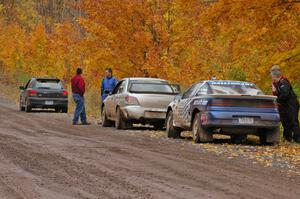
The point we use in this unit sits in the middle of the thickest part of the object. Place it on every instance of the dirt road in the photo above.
(43, 156)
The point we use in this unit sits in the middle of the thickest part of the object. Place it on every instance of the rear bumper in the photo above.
(35, 102)
(231, 119)
(139, 113)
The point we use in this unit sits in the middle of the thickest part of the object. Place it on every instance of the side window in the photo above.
(188, 93)
(27, 84)
(203, 90)
(31, 84)
(122, 87)
(116, 89)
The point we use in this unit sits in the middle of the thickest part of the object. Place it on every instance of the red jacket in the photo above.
(78, 85)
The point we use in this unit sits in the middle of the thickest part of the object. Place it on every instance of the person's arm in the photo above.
(81, 86)
(102, 87)
(115, 82)
(284, 92)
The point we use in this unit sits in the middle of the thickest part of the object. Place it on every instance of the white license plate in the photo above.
(246, 120)
(48, 102)
(159, 115)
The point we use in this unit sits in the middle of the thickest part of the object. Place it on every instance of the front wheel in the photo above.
(21, 108)
(172, 131)
(200, 134)
(238, 139)
(105, 121)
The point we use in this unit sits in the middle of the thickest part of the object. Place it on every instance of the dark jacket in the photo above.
(78, 85)
(284, 92)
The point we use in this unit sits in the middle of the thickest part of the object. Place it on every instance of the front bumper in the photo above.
(143, 113)
(36, 102)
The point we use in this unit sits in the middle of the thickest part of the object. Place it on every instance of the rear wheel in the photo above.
(200, 134)
(269, 136)
(105, 121)
(27, 107)
(239, 139)
(121, 121)
(172, 131)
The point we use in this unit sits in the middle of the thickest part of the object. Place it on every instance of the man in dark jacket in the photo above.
(78, 90)
(288, 105)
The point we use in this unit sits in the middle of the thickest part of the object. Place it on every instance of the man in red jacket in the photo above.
(78, 90)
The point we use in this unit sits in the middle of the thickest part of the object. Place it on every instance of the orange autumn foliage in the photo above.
(181, 40)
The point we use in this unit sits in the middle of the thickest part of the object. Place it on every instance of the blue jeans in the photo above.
(80, 109)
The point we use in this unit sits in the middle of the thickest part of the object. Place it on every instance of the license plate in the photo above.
(49, 102)
(246, 120)
(160, 115)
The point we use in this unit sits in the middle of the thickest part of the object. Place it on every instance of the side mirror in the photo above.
(22, 88)
(106, 92)
(176, 88)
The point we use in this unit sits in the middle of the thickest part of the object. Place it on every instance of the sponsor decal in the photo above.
(231, 83)
(201, 102)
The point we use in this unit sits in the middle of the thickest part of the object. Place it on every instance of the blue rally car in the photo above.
(224, 107)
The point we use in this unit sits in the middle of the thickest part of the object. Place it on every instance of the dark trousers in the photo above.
(289, 114)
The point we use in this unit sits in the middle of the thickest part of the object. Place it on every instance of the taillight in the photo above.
(65, 93)
(130, 100)
(32, 93)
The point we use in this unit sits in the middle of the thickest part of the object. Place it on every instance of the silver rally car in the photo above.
(138, 100)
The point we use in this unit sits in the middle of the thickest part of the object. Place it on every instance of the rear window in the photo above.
(159, 87)
(49, 84)
(234, 88)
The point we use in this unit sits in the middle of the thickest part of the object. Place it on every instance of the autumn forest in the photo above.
(180, 40)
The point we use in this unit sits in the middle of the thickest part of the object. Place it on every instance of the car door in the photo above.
(110, 101)
(183, 112)
(24, 92)
(118, 97)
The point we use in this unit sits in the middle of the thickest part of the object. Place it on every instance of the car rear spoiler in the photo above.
(267, 97)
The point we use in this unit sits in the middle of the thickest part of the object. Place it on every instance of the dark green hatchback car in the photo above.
(44, 93)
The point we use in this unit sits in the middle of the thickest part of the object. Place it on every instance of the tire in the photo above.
(105, 121)
(58, 110)
(21, 108)
(200, 134)
(28, 108)
(172, 131)
(120, 120)
(269, 136)
(159, 125)
(65, 110)
(238, 139)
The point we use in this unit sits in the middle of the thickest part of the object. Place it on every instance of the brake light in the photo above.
(32, 93)
(130, 100)
(65, 93)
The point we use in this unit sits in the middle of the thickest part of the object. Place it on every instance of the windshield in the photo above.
(49, 84)
(235, 88)
(151, 87)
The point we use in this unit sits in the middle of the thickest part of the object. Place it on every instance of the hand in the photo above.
(273, 88)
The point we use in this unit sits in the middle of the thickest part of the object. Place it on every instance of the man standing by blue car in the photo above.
(108, 84)
(78, 90)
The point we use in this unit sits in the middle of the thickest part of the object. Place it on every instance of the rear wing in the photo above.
(266, 97)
